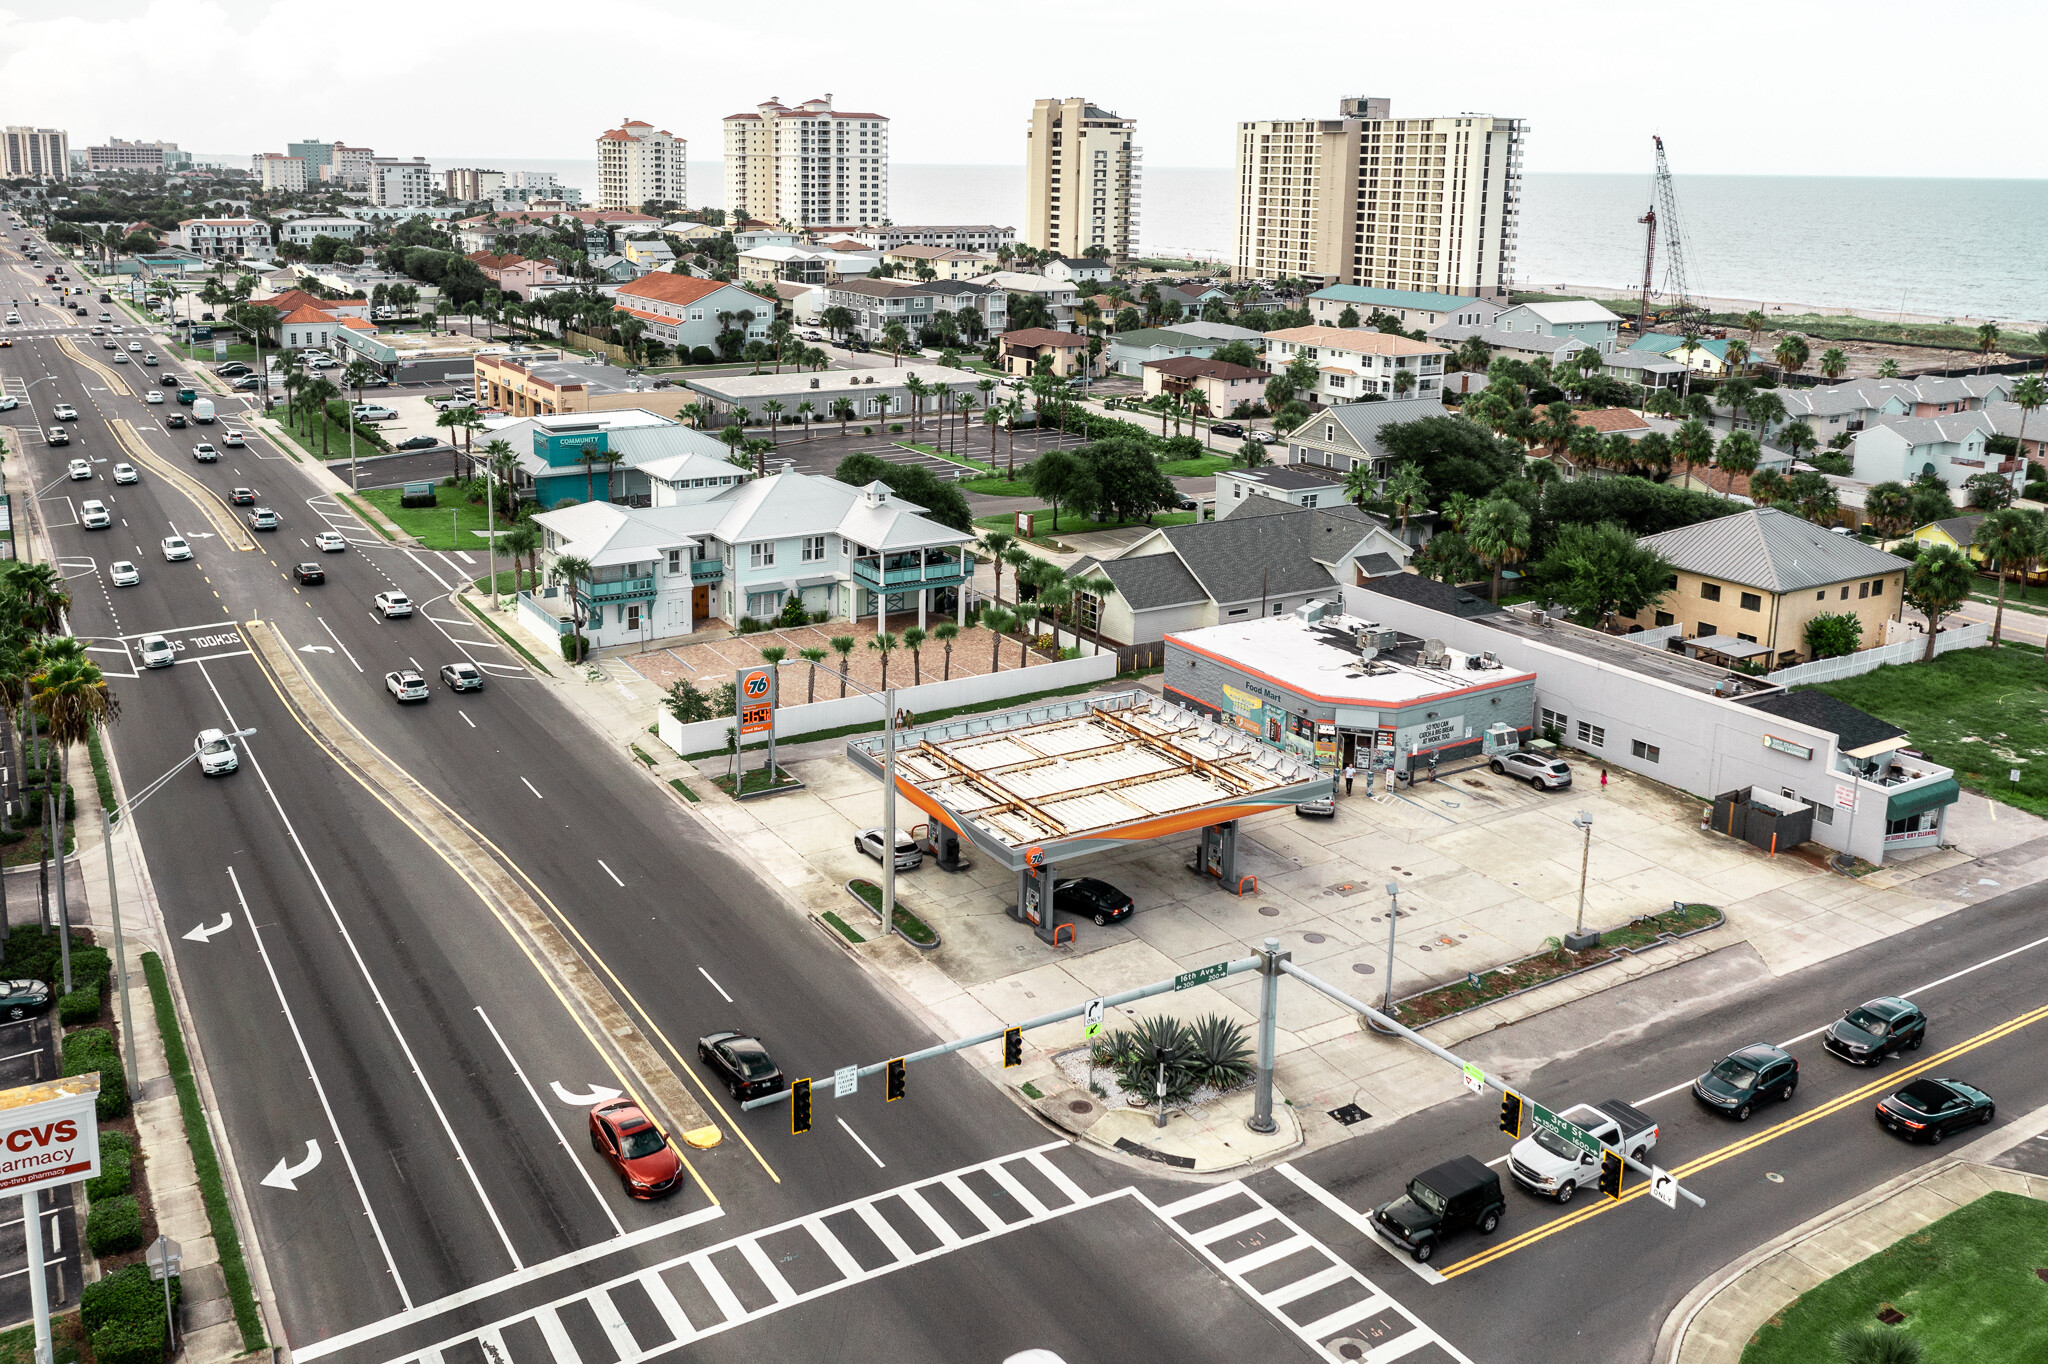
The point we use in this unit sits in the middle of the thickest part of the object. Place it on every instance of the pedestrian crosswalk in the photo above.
(1328, 1305)
(713, 1290)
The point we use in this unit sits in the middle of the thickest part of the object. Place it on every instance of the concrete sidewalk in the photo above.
(1718, 1319)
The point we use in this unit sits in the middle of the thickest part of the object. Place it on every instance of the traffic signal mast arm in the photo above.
(1230, 968)
(1382, 1022)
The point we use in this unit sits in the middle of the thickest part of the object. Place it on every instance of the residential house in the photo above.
(682, 310)
(944, 261)
(616, 269)
(983, 237)
(650, 253)
(751, 236)
(1354, 363)
(1078, 270)
(516, 275)
(1582, 320)
(1221, 331)
(214, 237)
(1059, 296)
(1266, 560)
(1194, 297)
(301, 231)
(1705, 355)
(1348, 434)
(1831, 409)
(875, 303)
(632, 456)
(1213, 386)
(746, 550)
(1130, 352)
(2007, 419)
(694, 233)
(804, 264)
(1020, 351)
(1757, 577)
(805, 302)
(1953, 448)
(1525, 346)
(1298, 485)
(989, 308)
(1412, 309)
(1640, 367)
(1959, 533)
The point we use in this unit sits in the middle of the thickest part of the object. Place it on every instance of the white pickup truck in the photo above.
(1549, 1165)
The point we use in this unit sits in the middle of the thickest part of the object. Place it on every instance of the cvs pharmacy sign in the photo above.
(49, 1133)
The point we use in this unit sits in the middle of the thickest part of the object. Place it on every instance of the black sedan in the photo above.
(1747, 1076)
(1868, 1033)
(1928, 1110)
(1088, 898)
(309, 573)
(1227, 429)
(741, 1063)
(417, 443)
(21, 999)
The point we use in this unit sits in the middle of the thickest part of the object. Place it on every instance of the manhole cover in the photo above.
(1361, 968)
(1313, 937)
(1775, 1177)
(1423, 948)
(1080, 1106)
(1269, 911)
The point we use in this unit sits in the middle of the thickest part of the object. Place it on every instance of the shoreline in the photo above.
(1722, 303)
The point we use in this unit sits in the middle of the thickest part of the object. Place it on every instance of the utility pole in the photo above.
(1580, 940)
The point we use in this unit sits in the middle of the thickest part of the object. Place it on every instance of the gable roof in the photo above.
(1771, 549)
(1399, 298)
(1194, 366)
(1160, 336)
(1362, 421)
(673, 288)
(1852, 728)
(1499, 340)
(1605, 419)
(1045, 336)
(1961, 529)
(1147, 582)
(1276, 550)
(1570, 311)
(1953, 428)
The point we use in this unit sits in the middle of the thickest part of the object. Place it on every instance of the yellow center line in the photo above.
(1892, 1080)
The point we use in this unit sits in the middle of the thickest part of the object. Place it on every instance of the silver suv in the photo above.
(1545, 774)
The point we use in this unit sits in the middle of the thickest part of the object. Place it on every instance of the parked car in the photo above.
(21, 999)
(1186, 502)
(1459, 1193)
(93, 515)
(248, 383)
(1551, 1166)
(216, 753)
(416, 443)
(741, 1064)
(908, 856)
(1319, 807)
(633, 1146)
(125, 473)
(1085, 897)
(1747, 1076)
(158, 652)
(124, 573)
(1868, 1033)
(371, 412)
(1928, 1110)
(330, 541)
(462, 677)
(407, 685)
(393, 604)
(233, 369)
(1543, 773)
(176, 549)
(309, 573)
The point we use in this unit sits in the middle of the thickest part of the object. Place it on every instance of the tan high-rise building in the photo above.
(806, 165)
(35, 153)
(1081, 181)
(1424, 204)
(638, 163)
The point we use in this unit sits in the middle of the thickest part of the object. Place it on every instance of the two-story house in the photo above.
(1059, 296)
(684, 311)
(1952, 448)
(1353, 363)
(1079, 270)
(1349, 434)
(1831, 409)
(615, 456)
(1214, 387)
(211, 237)
(1413, 309)
(1582, 320)
(875, 303)
(1019, 351)
(1130, 352)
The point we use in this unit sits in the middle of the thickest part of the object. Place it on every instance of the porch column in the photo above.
(960, 597)
(923, 598)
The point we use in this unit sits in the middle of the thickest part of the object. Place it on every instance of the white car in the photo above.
(8, 403)
(81, 469)
(232, 437)
(394, 604)
(64, 412)
(154, 397)
(158, 652)
(125, 473)
(908, 856)
(216, 753)
(93, 515)
(124, 573)
(175, 548)
(331, 541)
(120, 357)
(205, 453)
(371, 412)
(407, 685)
(135, 348)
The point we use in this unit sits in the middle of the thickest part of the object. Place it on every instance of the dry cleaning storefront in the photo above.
(1335, 690)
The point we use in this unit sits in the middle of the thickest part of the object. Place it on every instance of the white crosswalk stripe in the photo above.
(1337, 1311)
(659, 1282)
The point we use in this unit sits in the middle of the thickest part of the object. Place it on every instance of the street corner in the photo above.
(1208, 1133)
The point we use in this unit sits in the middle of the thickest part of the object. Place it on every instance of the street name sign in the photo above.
(1201, 975)
(1565, 1131)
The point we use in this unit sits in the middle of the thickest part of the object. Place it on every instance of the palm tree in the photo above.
(1755, 321)
(1767, 486)
(1359, 482)
(998, 544)
(1738, 454)
(813, 656)
(917, 389)
(1791, 353)
(71, 697)
(1738, 354)
(2010, 538)
(945, 632)
(522, 542)
(1987, 341)
(317, 393)
(966, 404)
(843, 646)
(2029, 395)
(1833, 362)
(1764, 407)
(884, 644)
(1889, 369)
(1889, 507)
(995, 620)
(572, 571)
(1458, 508)
(1937, 583)
(774, 410)
(913, 640)
(896, 336)
(1101, 589)
(843, 409)
(1499, 536)
(1693, 443)
(804, 410)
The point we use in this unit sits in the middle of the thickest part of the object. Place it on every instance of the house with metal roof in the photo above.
(1412, 308)
(1756, 578)
(1581, 319)
(1523, 345)
(1706, 354)
(1952, 448)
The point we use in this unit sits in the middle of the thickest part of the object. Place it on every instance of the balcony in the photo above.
(706, 570)
(911, 570)
(619, 589)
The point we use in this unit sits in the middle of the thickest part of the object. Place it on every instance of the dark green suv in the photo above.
(1868, 1033)
(1747, 1076)
(1459, 1193)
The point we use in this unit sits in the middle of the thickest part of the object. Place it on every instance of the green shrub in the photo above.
(92, 1049)
(575, 647)
(425, 499)
(91, 968)
(125, 1295)
(131, 1342)
(114, 1226)
(116, 1176)
(80, 1006)
(703, 355)
(32, 952)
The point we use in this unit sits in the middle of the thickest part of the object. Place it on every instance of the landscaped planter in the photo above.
(906, 926)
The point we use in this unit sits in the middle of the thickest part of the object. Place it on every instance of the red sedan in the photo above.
(635, 1147)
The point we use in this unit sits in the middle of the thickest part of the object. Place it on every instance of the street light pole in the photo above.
(1583, 821)
(1393, 913)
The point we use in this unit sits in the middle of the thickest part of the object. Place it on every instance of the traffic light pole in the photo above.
(1381, 1023)
(1230, 968)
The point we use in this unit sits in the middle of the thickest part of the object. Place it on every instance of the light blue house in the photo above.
(1413, 308)
(1582, 320)
(603, 456)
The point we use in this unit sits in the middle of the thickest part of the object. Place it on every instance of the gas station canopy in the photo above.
(1048, 783)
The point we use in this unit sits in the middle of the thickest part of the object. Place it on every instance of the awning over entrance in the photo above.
(1909, 803)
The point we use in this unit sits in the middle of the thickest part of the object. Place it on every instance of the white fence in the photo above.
(1974, 635)
(855, 709)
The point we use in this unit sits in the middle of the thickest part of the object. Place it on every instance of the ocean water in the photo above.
(1962, 248)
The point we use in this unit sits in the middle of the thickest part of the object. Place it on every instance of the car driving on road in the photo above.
(634, 1147)
(174, 421)
(263, 518)
(741, 1063)
(93, 514)
(125, 473)
(330, 541)
(242, 497)
(59, 436)
(124, 573)
(1747, 1076)
(80, 469)
(64, 412)
(216, 753)
(309, 573)
(1928, 1110)
(154, 397)
(175, 548)
(1870, 1032)
(462, 677)
(394, 604)
(407, 685)
(205, 453)
(232, 437)
(1545, 774)
(158, 652)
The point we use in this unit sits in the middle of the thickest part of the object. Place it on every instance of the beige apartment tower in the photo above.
(638, 163)
(1081, 174)
(1424, 204)
(806, 165)
(35, 153)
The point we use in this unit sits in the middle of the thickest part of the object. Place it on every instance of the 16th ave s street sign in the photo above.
(49, 1133)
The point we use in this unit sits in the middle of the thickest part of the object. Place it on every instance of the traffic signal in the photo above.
(1511, 1114)
(892, 1088)
(1013, 1047)
(1610, 1174)
(800, 1108)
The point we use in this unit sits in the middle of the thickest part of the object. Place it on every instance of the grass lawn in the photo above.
(430, 525)
(1966, 1285)
(1983, 712)
(1072, 523)
(204, 351)
(2016, 594)
(509, 581)
(995, 485)
(1201, 466)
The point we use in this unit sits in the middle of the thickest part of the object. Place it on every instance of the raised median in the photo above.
(210, 503)
(114, 381)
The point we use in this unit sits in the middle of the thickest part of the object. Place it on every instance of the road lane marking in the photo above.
(715, 985)
(549, 1118)
(529, 786)
(465, 717)
(333, 1126)
(1358, 1221)
(609, 872)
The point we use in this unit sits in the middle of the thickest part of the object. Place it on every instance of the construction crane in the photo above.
(1681, 313)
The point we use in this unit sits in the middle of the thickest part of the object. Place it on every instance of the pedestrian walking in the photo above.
(1350, 771)
(1603, 779)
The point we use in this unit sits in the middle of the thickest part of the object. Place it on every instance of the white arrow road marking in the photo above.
(285, 1173)
(314, 649)
(202, 933)
(598, 1094)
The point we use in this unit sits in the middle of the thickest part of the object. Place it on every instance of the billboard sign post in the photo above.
(754, 693)
(49, 1134)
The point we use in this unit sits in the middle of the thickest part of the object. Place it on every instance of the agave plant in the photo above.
(1222, 1059)
(1868, 1344)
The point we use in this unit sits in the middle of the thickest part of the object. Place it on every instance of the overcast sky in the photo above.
(1783, 87)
